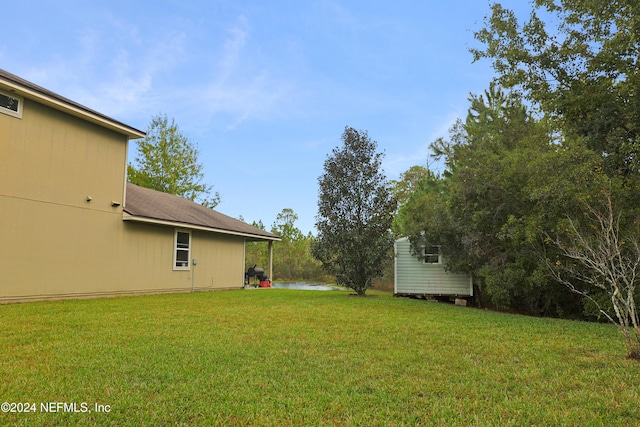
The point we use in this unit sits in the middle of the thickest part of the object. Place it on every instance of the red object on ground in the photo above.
(265, 284)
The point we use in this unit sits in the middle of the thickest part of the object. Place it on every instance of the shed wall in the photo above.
(414, 277)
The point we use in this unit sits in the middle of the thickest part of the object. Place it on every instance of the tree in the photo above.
(292, 255)
(168, 162)
(292, 259)
(285, 226)
(599, 254)
(580, 67)
(409, 182)
(421, 201)
(355, 212)
(288, 253)
(505, 180)
(576, 62)
(256, 253)
(488, 159)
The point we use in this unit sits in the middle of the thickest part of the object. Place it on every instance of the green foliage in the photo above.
(168, 162)
(513, 178)
(355, 212)
(507, 182)
(409, 183)
(490, 197)
(292, 259)
(256, 253)
(423, 216)
(578, 62)
(292, 256)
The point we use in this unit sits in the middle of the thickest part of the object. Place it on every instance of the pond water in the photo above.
(304, 286)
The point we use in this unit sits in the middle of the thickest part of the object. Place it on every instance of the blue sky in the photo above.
(264, 89)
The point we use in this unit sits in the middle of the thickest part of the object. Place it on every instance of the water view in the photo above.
(305, 286)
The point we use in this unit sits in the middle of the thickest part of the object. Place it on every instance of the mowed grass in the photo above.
(282, 357)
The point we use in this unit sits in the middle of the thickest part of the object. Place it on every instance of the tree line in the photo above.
(292, 259)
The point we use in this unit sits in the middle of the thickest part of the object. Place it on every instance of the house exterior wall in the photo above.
(220, 260)
(149, 259)
(52, 157)
(414, 277)
(56, 244)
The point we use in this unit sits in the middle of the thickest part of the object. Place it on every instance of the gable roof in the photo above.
(26, 89)
(151, 206)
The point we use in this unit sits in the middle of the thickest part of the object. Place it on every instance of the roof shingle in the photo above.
(146, 204)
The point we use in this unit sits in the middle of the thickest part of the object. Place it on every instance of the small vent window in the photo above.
(11, 104)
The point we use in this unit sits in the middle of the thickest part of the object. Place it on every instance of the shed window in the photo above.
(432, 255)
(10, 104)
(182, 250)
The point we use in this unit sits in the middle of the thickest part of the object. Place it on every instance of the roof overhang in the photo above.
(43, 96)
(249, 237)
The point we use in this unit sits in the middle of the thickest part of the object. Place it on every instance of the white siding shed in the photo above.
(413, 276)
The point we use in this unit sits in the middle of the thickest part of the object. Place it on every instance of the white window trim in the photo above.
(431, 254)
(176, 249)
(9, 112)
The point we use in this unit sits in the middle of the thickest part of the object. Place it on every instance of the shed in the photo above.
(426, 277)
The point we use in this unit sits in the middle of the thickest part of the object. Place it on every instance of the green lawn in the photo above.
(281, 357)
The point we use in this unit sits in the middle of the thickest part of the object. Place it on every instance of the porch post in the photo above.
(271, 260)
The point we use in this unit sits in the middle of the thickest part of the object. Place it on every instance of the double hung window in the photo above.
(182, 250)
(432, 255)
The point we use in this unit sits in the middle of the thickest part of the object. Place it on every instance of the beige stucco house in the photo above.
(70, 224)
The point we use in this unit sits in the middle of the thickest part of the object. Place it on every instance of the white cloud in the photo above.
(233, 45)
(112, 69)
(338, 13)
(241, 88)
